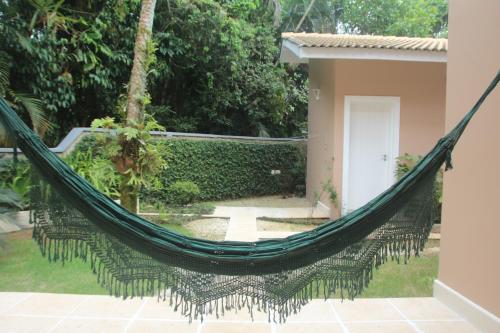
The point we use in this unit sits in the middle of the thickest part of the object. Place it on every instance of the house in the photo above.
(421, 74)
(371, 99)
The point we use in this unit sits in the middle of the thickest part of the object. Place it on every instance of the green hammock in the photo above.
(134, 257)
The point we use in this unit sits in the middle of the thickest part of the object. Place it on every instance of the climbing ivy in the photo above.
(224, 169)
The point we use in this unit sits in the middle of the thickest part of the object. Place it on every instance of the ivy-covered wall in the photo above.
(229, 169)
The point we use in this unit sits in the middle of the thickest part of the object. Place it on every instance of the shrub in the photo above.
(407, 162)
(183, 192)
(95, 168)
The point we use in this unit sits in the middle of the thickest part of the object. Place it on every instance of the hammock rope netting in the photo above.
(133, 257)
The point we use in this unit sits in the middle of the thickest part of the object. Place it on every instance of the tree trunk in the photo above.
(137, 83)
(311, 4)
(136, 93)
(128, 195)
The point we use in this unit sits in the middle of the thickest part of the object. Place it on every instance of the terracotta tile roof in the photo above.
(366, 41)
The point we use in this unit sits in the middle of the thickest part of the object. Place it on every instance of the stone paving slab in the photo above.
(38, 312)
(242, 225)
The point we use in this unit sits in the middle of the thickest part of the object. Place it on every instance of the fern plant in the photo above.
(97, 170)
(133, 154)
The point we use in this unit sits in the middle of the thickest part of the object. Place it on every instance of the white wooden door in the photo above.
(371, 144)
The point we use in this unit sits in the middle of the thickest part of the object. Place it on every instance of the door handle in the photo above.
(384, 157)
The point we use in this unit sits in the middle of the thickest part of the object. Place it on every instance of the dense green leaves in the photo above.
(97, 169)
(14, 184)
(73, 56)
(220, 169)
(414, 18)
(223, 169)
(217, 68)
(182, 192)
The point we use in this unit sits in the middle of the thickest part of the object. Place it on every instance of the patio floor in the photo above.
(33, 312)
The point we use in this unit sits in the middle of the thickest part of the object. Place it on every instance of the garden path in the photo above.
(243, 220)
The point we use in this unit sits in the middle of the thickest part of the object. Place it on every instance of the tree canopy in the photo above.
(217, 64)
(412, 18)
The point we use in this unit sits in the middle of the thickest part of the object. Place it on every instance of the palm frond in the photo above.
(34, 108)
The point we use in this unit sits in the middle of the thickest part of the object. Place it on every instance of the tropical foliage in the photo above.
(407, 162)
(74, 56)
(414, 18)
(217, 68)
(14, 184)
(183, 192)
(129, 148)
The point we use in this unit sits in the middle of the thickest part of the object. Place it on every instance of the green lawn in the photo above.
(399, 280)
(22, 268)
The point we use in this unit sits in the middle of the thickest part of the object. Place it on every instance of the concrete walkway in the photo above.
(32, 312)
(243, 220)
(242, 224)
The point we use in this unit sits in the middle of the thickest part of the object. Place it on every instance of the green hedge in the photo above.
(229, 169)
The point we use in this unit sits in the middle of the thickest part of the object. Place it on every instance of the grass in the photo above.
(414, 279)
(22, 268)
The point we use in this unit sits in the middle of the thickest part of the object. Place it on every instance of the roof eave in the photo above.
(294, 53)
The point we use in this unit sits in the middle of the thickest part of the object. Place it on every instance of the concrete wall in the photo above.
(420, 86)
(470, 244)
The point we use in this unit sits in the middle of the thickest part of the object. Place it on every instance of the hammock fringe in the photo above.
(168, 287)
(51, 230)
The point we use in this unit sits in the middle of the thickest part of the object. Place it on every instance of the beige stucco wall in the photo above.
(320, 120)
(420, 86)
(470, 238)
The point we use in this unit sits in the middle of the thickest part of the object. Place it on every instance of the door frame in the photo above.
(393, 152)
